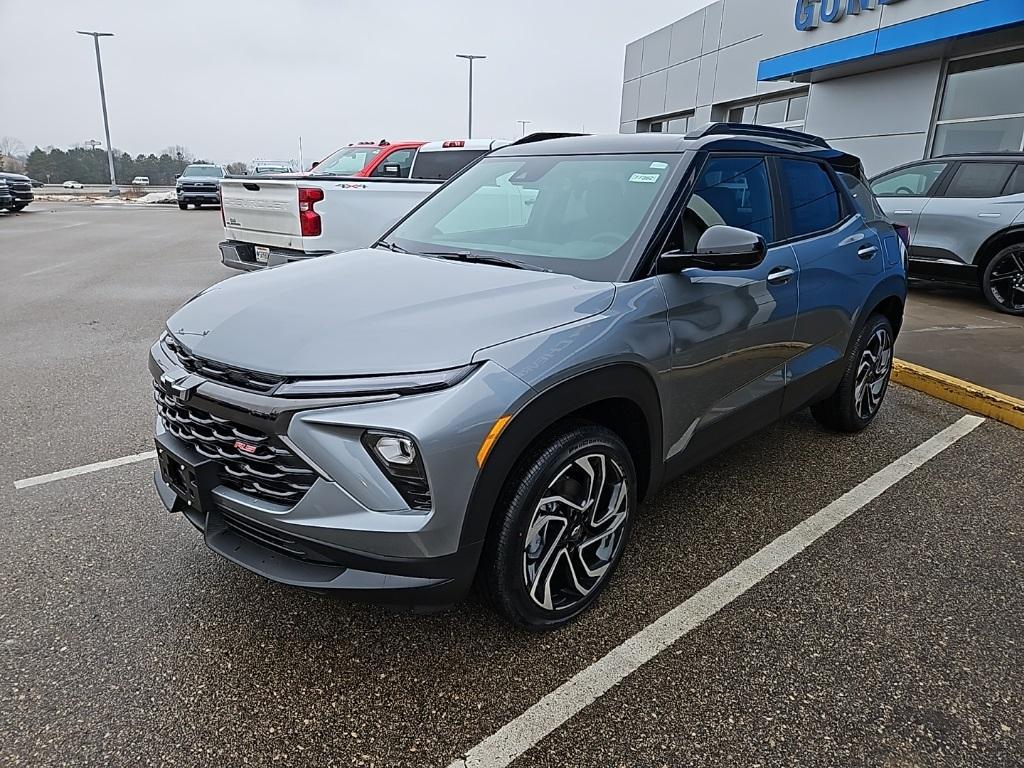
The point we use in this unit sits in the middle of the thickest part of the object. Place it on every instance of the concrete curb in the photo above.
(987, 402)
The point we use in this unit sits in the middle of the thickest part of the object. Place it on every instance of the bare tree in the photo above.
(237, 169)
(10, 149)
(179, 152)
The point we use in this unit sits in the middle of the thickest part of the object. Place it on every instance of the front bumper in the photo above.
(198, 196)
(240, 255)
(351, 531)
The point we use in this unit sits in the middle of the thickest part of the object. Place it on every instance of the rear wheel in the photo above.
(1003, 280)
(563, 522)
(858, 398)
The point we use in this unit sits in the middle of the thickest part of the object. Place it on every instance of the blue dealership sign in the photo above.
(809, 13)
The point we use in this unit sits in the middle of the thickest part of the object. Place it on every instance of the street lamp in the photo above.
(523, 124)
(103, 102)
(470, 57)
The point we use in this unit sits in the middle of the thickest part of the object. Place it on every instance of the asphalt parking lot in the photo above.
(893, 639)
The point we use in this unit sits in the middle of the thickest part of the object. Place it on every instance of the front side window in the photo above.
(915, 181)
(578, 215)
(400, 157)
(731, 191)
(346, 161)
(982, 106)
(979, 180)
(812, 199)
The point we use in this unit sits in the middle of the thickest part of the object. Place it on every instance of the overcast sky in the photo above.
(240, 79)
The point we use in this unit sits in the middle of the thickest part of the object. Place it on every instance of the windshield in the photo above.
(577, 215)
(203, 170)
(266, 169)
(346, 161)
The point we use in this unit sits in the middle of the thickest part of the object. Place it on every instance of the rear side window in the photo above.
(863, 198)
(1015, 186)
(915, 181)
(443, 164)
(812, 199)
(733, 191)
(979, 180)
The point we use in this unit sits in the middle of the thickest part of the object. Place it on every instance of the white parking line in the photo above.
(515, 738)
(84, 470)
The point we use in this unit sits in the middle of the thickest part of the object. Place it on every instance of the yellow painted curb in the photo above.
(987, 402)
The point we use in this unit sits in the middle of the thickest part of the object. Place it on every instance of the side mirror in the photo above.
(177, 175)
(314, 165)
(393, 170)
(719, 248)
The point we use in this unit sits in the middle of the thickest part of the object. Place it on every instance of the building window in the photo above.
(785, 112)
(982, 105)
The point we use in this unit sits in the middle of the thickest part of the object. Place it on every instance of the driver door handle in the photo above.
(780, 275)
(867, 251)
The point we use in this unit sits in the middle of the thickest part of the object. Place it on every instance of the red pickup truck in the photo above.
(368, 159)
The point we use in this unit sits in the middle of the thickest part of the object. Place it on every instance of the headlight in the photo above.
(399, 458)
(399, 384)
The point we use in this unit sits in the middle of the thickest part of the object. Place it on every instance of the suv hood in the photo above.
(375, 311)
(14, 176)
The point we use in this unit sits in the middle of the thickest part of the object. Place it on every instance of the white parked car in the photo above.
(140, 181)
(273, 221)
(72, 185)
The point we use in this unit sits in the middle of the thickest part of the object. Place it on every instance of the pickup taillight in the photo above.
(309, 219)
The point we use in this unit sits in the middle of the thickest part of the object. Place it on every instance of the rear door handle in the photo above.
(780, 275)
(867, 252)
(903, 213)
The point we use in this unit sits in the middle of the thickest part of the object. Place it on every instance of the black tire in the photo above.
(559, 465)
(852, 407)
(19, 206)
(1002, 282)
(183, 206)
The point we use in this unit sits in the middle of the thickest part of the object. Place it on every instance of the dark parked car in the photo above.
(20, 188)
(6, 198)
(966, 219)
(489, 391)
(199, 184)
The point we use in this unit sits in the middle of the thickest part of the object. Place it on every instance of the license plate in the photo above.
(262, 254)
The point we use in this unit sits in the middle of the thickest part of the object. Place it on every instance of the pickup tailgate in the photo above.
(262, 211)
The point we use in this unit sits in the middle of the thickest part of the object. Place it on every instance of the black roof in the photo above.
(727, 136)
(1015, 156)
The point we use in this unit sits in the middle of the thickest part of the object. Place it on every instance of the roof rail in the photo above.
(766, 131)
(994, 153)
(544, 136)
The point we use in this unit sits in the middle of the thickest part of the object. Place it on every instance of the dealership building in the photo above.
(889, 80)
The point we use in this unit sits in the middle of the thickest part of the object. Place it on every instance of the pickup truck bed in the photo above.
(263, 227)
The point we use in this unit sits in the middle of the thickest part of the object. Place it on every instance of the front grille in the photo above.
(272, 472)
(225, 374)
(199, 187)
(19, 186)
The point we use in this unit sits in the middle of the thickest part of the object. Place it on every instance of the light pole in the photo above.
(470, 58)
(523, 124)
(103, 102)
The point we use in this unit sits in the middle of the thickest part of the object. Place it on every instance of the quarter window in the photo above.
(731, 190)
(979, 180)
(812, 199)
(1015, 186)
(915, 181)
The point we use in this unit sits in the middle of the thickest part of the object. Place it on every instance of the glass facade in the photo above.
(982, 105)
(781, 112)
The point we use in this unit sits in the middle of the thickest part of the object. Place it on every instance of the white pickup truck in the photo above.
(274, 220)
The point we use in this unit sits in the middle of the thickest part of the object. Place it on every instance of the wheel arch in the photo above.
(621, 396)
(994, 244)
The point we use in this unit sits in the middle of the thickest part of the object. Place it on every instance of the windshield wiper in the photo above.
(392, 247)
(479, 258)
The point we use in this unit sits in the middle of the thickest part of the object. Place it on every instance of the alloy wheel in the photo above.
(1006, 280)
(873, 373)
(576, 532)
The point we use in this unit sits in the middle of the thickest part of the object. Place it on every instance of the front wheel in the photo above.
(561, 526)
(18, 206)
(858, 398)
(1003, 280)
(183, 206)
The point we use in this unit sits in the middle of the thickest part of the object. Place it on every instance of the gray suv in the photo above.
(488, 393)
(966, 220)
